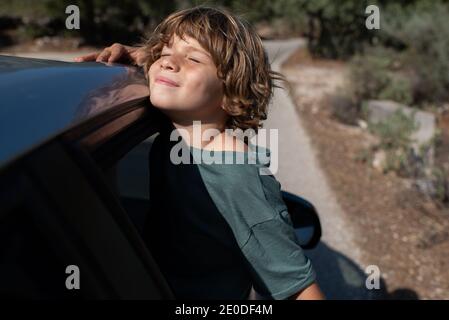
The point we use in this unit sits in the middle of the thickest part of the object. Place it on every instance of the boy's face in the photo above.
(198, 93)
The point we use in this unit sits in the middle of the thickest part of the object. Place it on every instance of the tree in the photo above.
(106, 21)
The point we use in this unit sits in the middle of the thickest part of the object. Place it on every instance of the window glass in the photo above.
(129, 178)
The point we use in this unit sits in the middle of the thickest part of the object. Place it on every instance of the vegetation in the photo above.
(395, 139)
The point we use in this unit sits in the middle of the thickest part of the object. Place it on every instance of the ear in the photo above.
(223, 103)
(223, 107)
(227, 106)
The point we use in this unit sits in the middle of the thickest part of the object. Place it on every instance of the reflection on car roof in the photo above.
(42, 98)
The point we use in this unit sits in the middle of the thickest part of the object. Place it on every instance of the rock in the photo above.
(379, 160)
(362, 124)
(425, 186)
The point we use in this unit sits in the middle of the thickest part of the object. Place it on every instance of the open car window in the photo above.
(129, 178)
(119, 150)
(114, 158)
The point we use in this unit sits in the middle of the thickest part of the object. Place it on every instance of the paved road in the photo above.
(336, 259)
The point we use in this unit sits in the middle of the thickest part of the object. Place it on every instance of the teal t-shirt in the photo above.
(250, 200)
(218, 229)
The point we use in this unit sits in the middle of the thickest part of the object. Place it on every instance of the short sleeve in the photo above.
(276, 261)
(253, 206)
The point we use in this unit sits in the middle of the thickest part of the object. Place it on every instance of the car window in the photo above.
(129, 178)
(116, 165)
(119, 145)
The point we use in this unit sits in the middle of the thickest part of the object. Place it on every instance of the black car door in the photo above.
(58, 211)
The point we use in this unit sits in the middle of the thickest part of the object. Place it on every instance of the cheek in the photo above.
(205, 83)
(151, 71)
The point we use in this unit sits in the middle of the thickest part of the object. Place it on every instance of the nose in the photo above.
(169, 62)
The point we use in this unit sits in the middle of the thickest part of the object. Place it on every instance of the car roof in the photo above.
(41, 98)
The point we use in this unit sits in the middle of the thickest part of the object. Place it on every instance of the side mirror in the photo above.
(305, 220)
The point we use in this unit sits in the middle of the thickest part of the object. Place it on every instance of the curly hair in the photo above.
(237, 51)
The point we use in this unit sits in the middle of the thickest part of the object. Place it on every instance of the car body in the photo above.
(74, 141)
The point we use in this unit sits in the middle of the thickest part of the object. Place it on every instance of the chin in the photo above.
(161, 103)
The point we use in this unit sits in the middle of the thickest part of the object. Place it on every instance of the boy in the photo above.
(215, 230)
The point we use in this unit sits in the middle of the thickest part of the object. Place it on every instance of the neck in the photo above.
(193, 133)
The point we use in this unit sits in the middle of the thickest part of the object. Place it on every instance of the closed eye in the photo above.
(163, 55)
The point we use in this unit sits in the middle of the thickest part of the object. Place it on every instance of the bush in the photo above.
(440, 179)
(410, 62)
(376, 76)
(368, 75)
(399, 89)
(284, 17)
(380, 74)
(395, 139)
(102, 21)
(336, 29)
(395, 132)
(423, 32)
(31, 31)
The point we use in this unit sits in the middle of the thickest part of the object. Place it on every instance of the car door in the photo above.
(106, 154)
(58, 211)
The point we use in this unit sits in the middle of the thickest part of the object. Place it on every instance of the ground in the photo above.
(398, 229)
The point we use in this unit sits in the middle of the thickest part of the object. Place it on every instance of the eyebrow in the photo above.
(191, 48)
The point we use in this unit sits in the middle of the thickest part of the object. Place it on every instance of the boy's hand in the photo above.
(116, 53)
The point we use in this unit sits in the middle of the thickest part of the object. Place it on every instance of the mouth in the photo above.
(166, 81)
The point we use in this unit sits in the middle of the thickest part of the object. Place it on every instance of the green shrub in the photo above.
(336, 29)
(399, 89)
(368, 75)
(395, 139)
(440, 177)
(102, 21)
(380, 74)
(423, 32)
(31, 31)
(395, 131)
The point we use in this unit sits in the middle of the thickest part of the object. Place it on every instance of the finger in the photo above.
(104, 56)
(117, 52)
(87, 57)
(139, 56)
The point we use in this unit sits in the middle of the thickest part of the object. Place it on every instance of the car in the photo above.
(74, 143)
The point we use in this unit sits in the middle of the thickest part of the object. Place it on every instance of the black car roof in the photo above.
(42, 98)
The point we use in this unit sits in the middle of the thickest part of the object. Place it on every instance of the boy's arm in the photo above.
(312, 292)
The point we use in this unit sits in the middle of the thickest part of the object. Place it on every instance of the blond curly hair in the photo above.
(237, 51)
